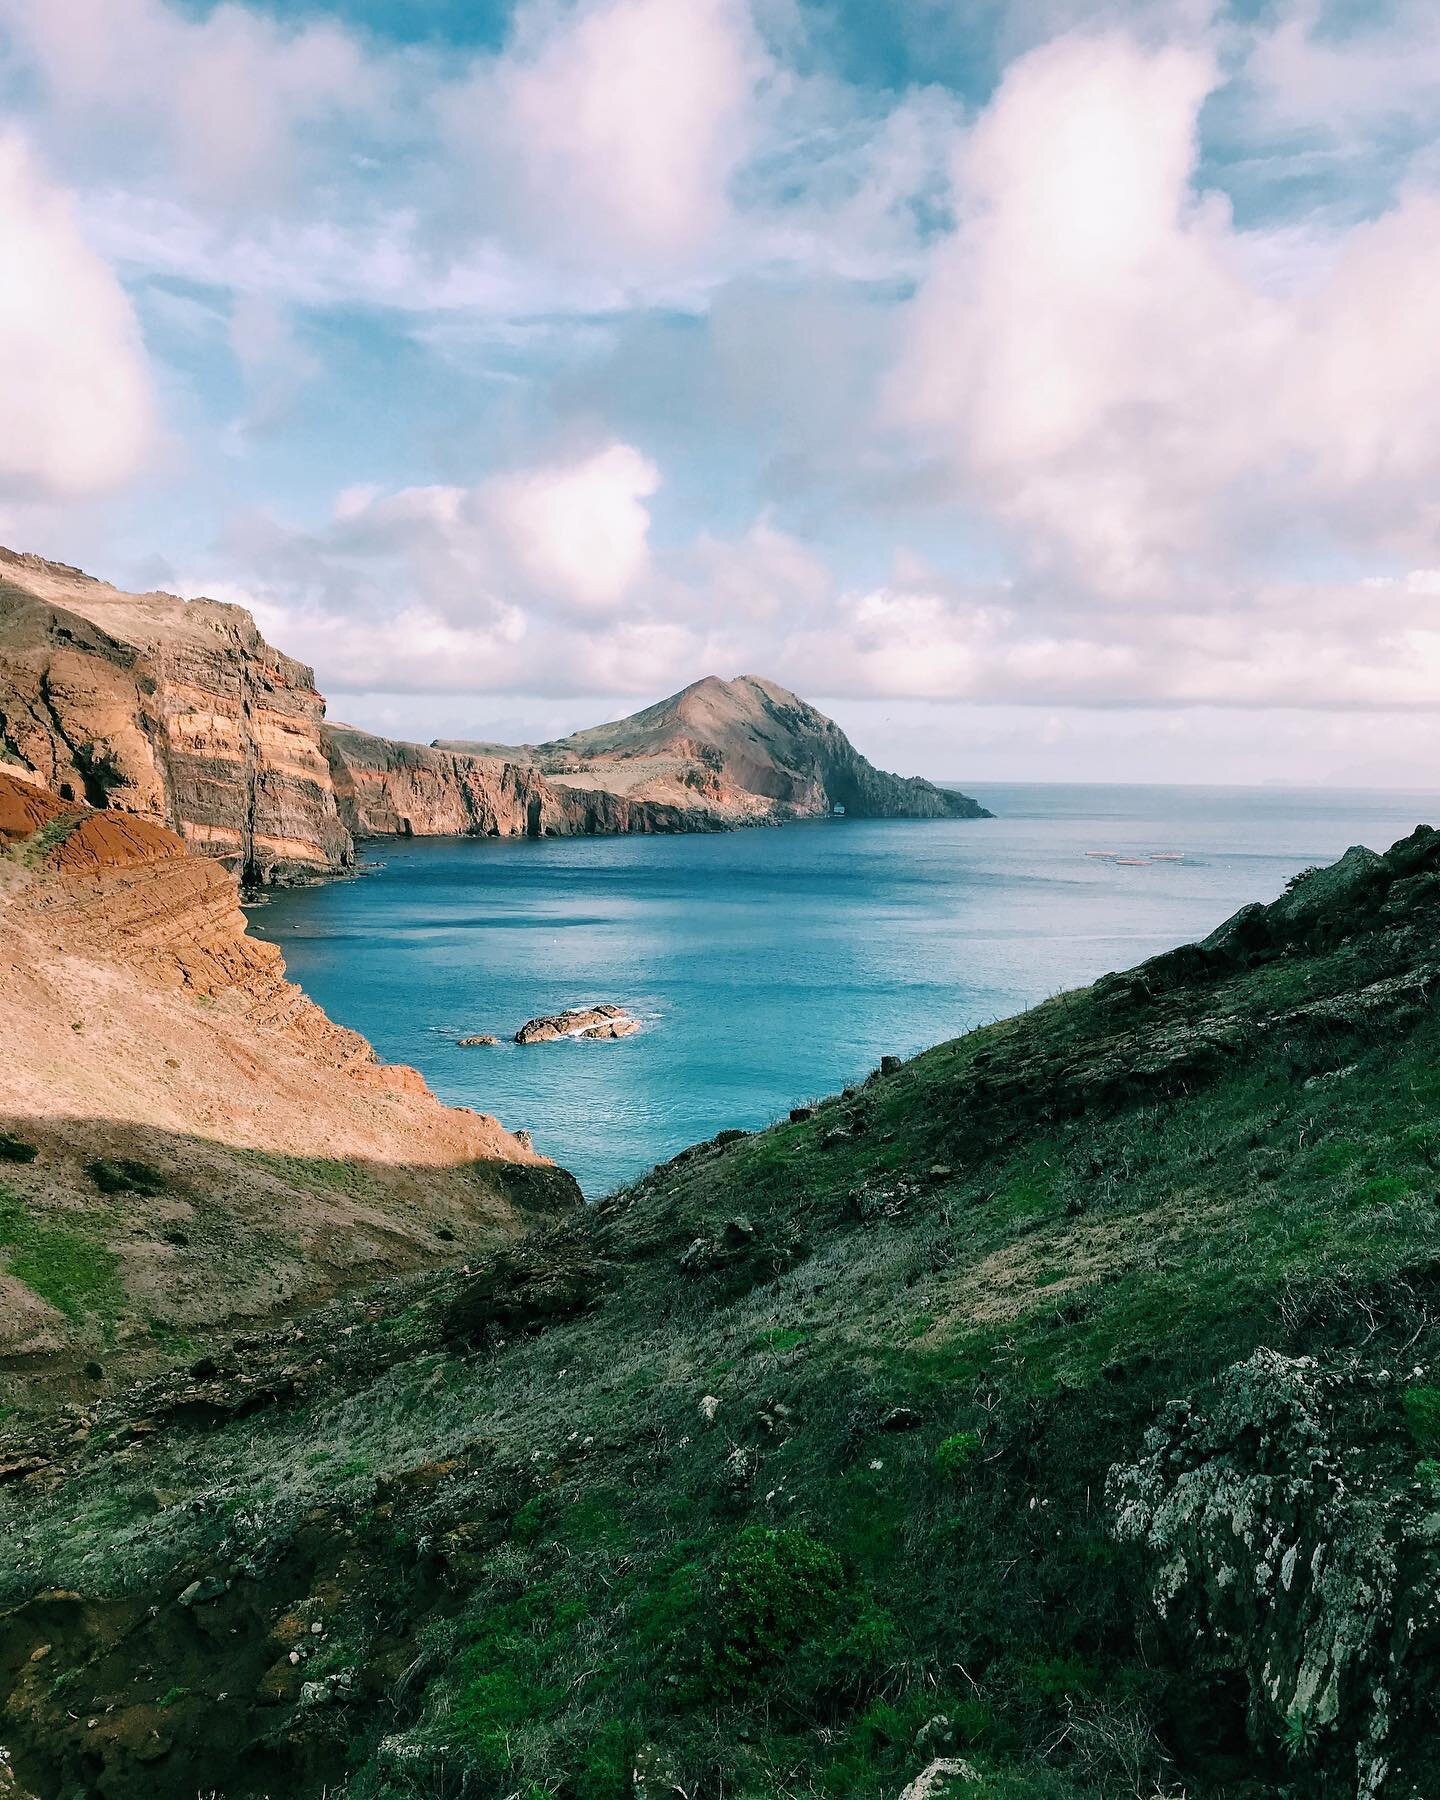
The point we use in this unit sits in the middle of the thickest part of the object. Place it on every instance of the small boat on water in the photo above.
(1132, 862)
(1168, 856)
(1105, 855)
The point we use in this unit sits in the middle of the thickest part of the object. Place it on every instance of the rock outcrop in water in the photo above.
(604, 1021)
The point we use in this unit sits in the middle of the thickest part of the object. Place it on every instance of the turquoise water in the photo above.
(773, 966)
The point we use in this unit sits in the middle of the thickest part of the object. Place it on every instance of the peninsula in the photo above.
(180, 711)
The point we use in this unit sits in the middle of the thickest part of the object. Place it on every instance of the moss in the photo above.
(957, 1453)
(1421, 1406)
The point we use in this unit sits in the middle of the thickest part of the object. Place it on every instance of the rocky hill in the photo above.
(389, 789)
(743, 750)
(178, 711)
(184, 1137)
(1054, 1415)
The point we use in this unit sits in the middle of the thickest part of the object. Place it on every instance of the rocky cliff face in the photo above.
(388, 789)
(181, 711)
(178, 710)
(196, 1139)
(743, 751)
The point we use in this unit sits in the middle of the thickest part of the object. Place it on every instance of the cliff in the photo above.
(389, 789)
(1059, 1408)
(181, 711)
(184, 1136)
(172, 709)
(743, 751)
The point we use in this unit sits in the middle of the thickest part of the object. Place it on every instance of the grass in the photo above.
(64, 1265)
(680, 1528)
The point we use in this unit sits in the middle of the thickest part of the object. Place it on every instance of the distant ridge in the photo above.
(748, 748)
(181, 712)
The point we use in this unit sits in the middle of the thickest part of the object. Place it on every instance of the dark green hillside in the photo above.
(1064, 1403)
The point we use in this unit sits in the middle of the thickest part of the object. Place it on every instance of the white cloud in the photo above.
(75, 401)
(217, 105)
(1115, 372)
(611, 131)
(576, 533)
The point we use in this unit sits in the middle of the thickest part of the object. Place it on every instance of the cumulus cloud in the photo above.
(1129, 382)
(75, 402)
(218, 105)
(612, 131)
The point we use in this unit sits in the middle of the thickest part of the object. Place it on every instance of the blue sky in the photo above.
(1048, 389)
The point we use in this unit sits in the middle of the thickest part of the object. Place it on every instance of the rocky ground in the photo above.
(1055, 1414)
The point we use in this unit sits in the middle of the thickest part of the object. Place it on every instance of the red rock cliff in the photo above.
(177, 710)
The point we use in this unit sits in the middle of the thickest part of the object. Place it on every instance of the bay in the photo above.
(772, 966)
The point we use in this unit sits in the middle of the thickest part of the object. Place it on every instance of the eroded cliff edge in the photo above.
(178, 710)
(184, 1136)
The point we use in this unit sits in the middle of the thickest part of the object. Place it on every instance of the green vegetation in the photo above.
(125, 1175)
(836, 1494)
(16, 1150)
(64, 1265)
(33, 850)
(956, 1453)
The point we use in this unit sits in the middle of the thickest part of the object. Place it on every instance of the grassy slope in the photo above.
(820, 1452)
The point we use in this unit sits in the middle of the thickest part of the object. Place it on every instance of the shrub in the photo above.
(958, 1452)
(1422, 1415)
(772, 1592)
(608, 1769)
(123, 1175)
(16, 1150)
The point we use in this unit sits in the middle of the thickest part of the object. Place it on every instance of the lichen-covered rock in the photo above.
(946, 1775)
(1281, 1540)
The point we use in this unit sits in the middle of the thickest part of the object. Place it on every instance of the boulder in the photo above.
(485, 1037)
(605, 1021)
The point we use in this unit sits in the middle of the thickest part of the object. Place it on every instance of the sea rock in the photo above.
(577, 1021)
(484, 1037)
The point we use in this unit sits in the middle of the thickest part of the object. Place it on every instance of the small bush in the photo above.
(772, 1592)
(123, 1175)
(16, 1150)
(958, 1453)
(1422, 1415)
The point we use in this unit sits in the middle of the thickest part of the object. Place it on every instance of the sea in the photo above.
(772, 966)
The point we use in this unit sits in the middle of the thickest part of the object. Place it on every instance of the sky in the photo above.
(1048, 390)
